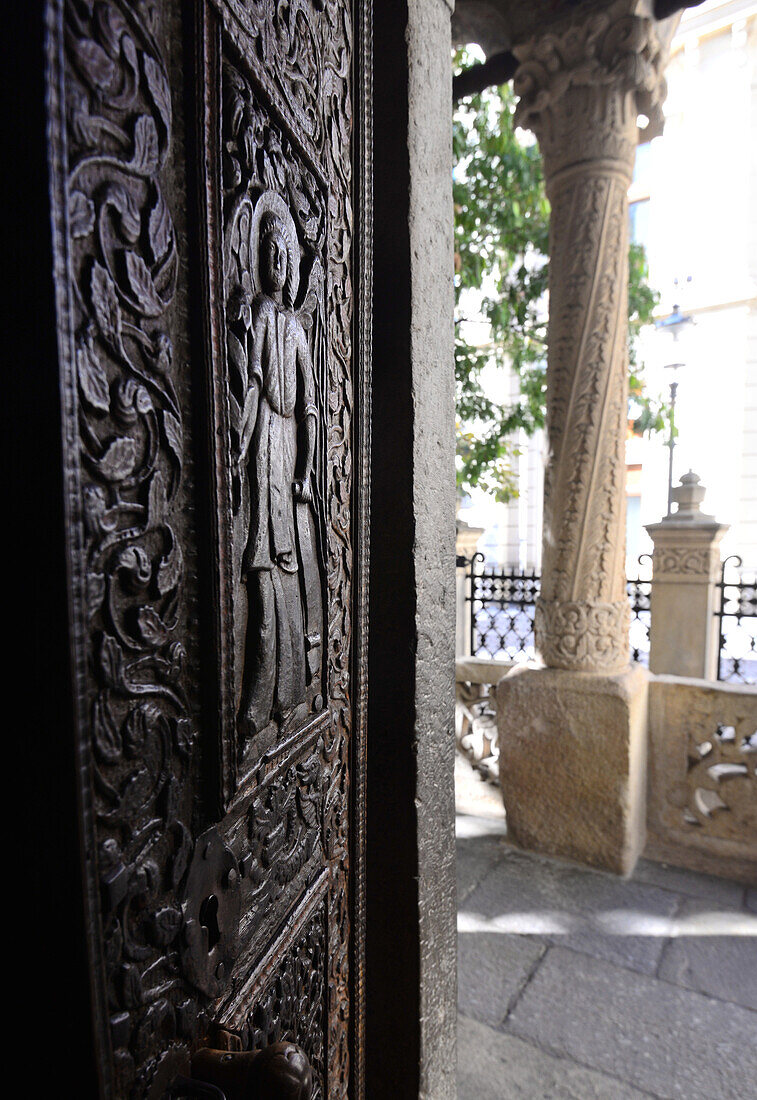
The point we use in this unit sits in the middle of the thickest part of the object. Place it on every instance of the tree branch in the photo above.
(496, 70)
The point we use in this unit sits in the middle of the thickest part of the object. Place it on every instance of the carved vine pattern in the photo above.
(685, 561)
(123, 264)
(284, 826)
(293, 1005)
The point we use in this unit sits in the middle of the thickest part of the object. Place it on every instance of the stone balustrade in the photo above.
(701, 769)
(702, 789)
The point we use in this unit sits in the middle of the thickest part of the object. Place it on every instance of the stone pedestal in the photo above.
(684, 637)
(571, 737)
(466, 542)
(572, 763)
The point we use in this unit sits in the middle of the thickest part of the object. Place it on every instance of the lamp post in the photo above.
(674, 324)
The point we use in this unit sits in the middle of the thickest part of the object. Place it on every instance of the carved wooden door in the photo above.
(208, 187)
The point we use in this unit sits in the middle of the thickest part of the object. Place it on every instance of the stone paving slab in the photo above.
(690, 883)
(491, 970)
(475, 858)
(671, 1042)
(493, 1066)
(721, 966)
(596, 913)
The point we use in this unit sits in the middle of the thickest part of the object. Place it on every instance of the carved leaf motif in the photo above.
(93, 63)
(174, 434)
(146, 151)
(169, 570)
(142, 286)
(183, 737)
(136, 564)
(95, 592)
(159, 90)
(166, 925)
(135, 731)
(81, 214)
(123, 200)
(105, 734)
(156, 501)
(112, 662)
(106, 307)
(151, 626)
(160, 229)
(92, 378)
(112, 26)
(176, 655)
(119, 459)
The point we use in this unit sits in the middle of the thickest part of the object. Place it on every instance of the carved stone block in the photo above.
(572, 754)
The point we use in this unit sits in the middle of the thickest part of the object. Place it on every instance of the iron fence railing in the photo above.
(503, 602)
(639, 590)
(737, 623)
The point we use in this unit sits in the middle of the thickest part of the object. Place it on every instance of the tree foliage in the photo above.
(501, 274)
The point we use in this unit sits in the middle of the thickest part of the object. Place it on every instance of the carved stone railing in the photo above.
(702, 809)
(702, 764)
(476, 712)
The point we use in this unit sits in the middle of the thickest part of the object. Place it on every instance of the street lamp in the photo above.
(675, 323)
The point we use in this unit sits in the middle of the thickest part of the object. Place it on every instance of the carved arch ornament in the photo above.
(132, 450)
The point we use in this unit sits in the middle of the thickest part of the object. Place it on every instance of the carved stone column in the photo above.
(572, 736)
(581, 92)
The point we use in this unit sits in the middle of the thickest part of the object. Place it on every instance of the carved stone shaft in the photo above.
(581, 92)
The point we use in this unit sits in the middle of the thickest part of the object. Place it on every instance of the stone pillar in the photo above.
(465, 547)
(572, 736)
(684, 636)
(581, 93)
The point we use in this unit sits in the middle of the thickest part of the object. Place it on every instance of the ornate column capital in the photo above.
(581, 87)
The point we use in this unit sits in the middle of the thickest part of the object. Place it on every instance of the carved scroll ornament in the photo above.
(685, 561)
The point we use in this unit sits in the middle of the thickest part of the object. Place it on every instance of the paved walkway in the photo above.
(576, 985)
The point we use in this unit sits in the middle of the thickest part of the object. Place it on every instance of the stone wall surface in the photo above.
(410, 865)
(431, 221)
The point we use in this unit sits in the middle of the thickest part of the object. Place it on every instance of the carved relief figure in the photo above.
(274, 466)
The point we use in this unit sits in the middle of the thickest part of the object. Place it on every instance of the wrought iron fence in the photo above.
(639, 590)
(737, 623)
(503, 603)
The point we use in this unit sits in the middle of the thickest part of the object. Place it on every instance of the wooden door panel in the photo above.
(202, 189)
